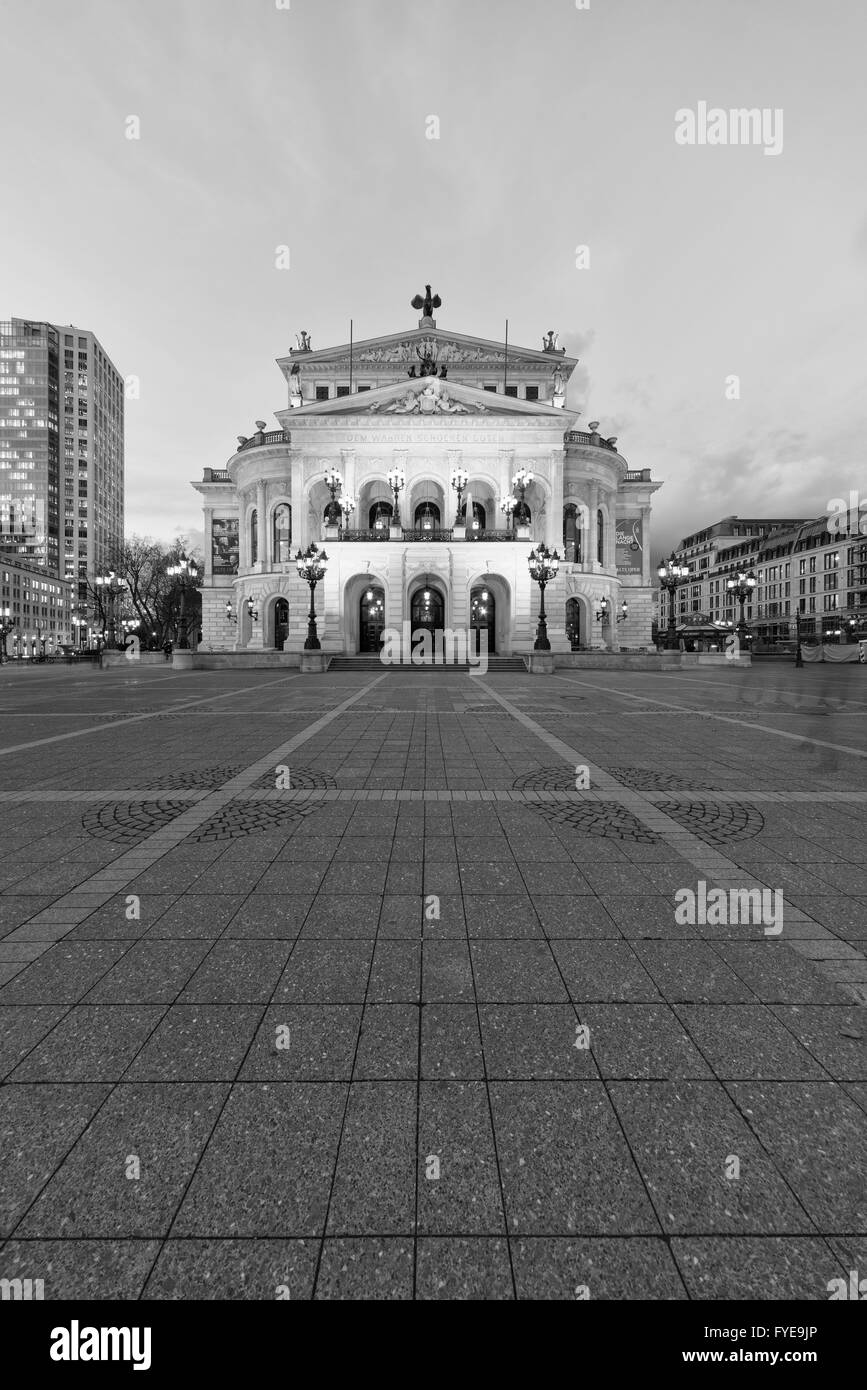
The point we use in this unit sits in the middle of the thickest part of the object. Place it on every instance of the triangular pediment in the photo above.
(399, 351)
(431, 397)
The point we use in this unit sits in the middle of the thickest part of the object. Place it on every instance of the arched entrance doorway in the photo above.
(483, 616)
(371, 619)
(281, 624)
(427, 609)
(575, 624)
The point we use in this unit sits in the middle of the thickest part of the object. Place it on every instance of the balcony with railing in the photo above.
(415, 534)
(262, 437)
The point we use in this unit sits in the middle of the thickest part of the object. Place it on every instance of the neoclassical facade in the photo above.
(428, 409)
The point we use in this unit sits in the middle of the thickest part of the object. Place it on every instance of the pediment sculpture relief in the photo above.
(433, 400)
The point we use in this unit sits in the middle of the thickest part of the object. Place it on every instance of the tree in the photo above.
(152, 595)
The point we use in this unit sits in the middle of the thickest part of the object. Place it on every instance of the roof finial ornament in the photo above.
(427, 303)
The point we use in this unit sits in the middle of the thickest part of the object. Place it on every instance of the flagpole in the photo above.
(506, 358)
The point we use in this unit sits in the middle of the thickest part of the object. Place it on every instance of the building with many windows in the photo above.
(61, 450)
(36, 616)
(815, 569)
(428, 464)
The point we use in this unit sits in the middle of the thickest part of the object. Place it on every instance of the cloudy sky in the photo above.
(305, 126)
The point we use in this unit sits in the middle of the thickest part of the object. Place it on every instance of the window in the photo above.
(322, 393)
(511, 390)
(254, 537)
(532, 393)
(282, 533)
(600, 537)
(342, 391)
(490, 388)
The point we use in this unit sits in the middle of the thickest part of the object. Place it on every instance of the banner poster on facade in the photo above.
(629, 545)
(224, 545)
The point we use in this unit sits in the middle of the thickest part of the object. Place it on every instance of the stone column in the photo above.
(591, 556)
(243, 538)
(262, 519)
(554, 539)
(610, 500)
(209, 552)
(645, 542)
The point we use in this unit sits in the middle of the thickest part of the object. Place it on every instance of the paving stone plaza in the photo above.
(351, 986)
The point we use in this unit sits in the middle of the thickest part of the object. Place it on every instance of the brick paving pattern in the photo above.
(422, 1023)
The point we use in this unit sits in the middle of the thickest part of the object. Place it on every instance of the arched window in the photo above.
(427, 516)
(600, 537)
(380, 516)
(571, 533)
(282, 533)
(479, 515)
(254, 536)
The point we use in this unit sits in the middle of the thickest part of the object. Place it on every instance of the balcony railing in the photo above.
(440, 534)
(582, 437)
(271, 437)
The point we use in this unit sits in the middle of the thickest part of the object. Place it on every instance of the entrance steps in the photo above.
(373, 663)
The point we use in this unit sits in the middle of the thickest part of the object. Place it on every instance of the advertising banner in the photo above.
(224, 545)
(629, 545)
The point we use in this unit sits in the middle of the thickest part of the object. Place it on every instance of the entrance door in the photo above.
(483, 613)
(427, 609)
(573, 623)
(371, 620)
(281, 624)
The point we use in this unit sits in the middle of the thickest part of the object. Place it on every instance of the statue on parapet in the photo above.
(427, 304)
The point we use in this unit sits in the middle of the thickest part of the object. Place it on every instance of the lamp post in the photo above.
(112, 586)
(7, 625)
(312, 564)
(522, 480)
(334, 483)
(671, 576)
(507, 507)
(396, 481)
(460, 478)
(347, 507)
(741, 588)
(186, 574)
(799, 660)
(543, 565)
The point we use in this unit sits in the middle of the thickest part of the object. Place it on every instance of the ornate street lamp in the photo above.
(312, 564)
(507, 507)
(671, 576)
(334, 483)
(7, 625)
(602, 611)
(252, 610)
(799, 660)
(186, 574)
(624, 612)
(460, 478)
(543, 565)
(112, 586)
(347, 507)
(741, 588)
(396, 481)
(522, 480)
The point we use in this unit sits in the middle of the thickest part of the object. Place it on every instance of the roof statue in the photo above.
(426, 304)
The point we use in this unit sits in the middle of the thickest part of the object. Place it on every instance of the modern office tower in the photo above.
(61, 450)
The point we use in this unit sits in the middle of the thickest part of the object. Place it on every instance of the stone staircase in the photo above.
(373, 663)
